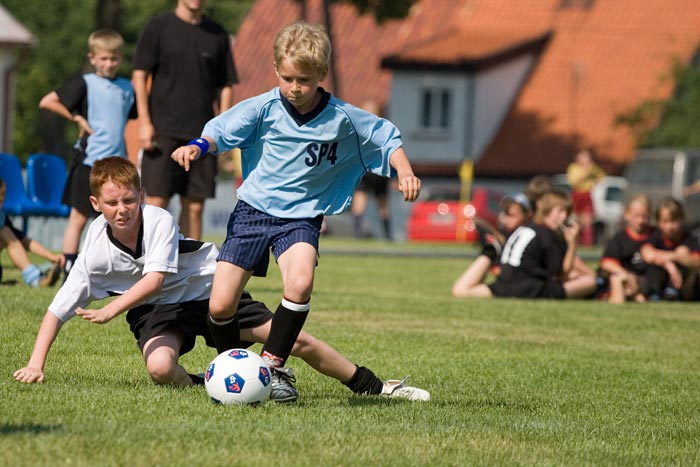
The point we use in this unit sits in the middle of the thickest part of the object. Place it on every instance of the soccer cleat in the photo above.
(396, 388)
(283, 389)
(197, 379)
(51, 276)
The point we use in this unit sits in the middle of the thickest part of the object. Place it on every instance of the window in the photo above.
(435, 108)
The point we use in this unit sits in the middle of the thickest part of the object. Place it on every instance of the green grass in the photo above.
(512, 382)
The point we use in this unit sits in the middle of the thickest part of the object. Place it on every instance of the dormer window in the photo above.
(435, 109)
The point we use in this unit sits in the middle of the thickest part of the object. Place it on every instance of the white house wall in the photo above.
(404, 110)
(479, 106)
(495, 90)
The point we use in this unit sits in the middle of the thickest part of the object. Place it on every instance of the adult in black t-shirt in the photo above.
(188, 58)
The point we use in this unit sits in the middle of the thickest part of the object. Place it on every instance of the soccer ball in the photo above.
(238, 376)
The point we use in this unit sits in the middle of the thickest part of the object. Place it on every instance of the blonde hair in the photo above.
(549, 201)
(115, 169)
(105, 40)
(306, 45)
(640, 198)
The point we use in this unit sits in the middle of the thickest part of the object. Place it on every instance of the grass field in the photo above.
(512, 382)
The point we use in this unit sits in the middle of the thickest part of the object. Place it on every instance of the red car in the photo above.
(437, 216)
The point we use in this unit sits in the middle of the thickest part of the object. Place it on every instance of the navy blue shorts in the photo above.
(251, 234)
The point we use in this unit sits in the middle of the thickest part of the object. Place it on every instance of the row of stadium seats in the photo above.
(46, 178)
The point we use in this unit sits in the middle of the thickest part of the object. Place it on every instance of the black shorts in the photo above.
(373, 183)
(161, 176)
(76, 193)
(148, 321)
(528, 288)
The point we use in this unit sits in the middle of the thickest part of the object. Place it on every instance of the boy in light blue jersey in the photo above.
(100, 103)
(303, 154)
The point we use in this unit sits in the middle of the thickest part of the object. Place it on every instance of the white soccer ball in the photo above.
(238, 376)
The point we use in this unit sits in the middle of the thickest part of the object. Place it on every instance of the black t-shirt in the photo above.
(532, 251)
(189, 64)
(625, 248)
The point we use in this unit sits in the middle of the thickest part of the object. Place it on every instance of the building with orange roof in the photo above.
(545, 77)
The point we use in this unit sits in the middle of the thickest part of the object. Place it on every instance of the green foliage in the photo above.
(513, 382)
(62, 28)
(669, 123)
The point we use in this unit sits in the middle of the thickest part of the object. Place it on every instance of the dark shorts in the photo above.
(149, 321)
(76, 193)
(528, 288)
(161, 176)
(251, 233)
(373, 183)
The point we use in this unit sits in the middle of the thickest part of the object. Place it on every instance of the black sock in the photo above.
(225, 334)
(284, 330)
(365, 382)
(70, 260)
(387, 229)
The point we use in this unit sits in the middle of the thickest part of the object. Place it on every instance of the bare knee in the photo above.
(298, 289)
(161, 368)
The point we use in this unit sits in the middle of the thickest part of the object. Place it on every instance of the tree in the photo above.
(62, 28)
(669, 123)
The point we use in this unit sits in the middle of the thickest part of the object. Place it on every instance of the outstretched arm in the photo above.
(147, 286)
(34, 371)
(184, 155)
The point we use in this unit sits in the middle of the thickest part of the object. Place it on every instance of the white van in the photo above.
(667, 172)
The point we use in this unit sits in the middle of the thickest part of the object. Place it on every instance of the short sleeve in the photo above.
(73, 94)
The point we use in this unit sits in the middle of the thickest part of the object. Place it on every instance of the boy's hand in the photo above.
(571, 232)
(101, 316)
(186, 154)
(83, 126)
(29, 374)
(147, 135)
(410, 187)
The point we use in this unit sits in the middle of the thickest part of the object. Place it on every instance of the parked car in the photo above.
(608, 203)
(438, 215)
(667, 172)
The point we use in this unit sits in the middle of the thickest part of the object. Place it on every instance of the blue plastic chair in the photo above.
(46, 179)
(16, 200)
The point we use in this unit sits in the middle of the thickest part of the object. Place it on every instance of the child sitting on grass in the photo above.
(18, 244)
(622, 268)
(672, 255)
(515, 211)
(537, 259)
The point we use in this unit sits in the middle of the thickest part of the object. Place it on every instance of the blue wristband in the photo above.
(202, 144)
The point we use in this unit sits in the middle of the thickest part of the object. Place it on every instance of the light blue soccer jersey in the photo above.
(109, 102)
(300, 166)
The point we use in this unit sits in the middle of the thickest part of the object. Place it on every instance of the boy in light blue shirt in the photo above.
(303, 154)
(100, 103)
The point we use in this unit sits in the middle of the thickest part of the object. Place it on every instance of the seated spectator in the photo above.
(622, 269)
(515, 211)
(18, 244)
(672, 255)
(537, 259)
